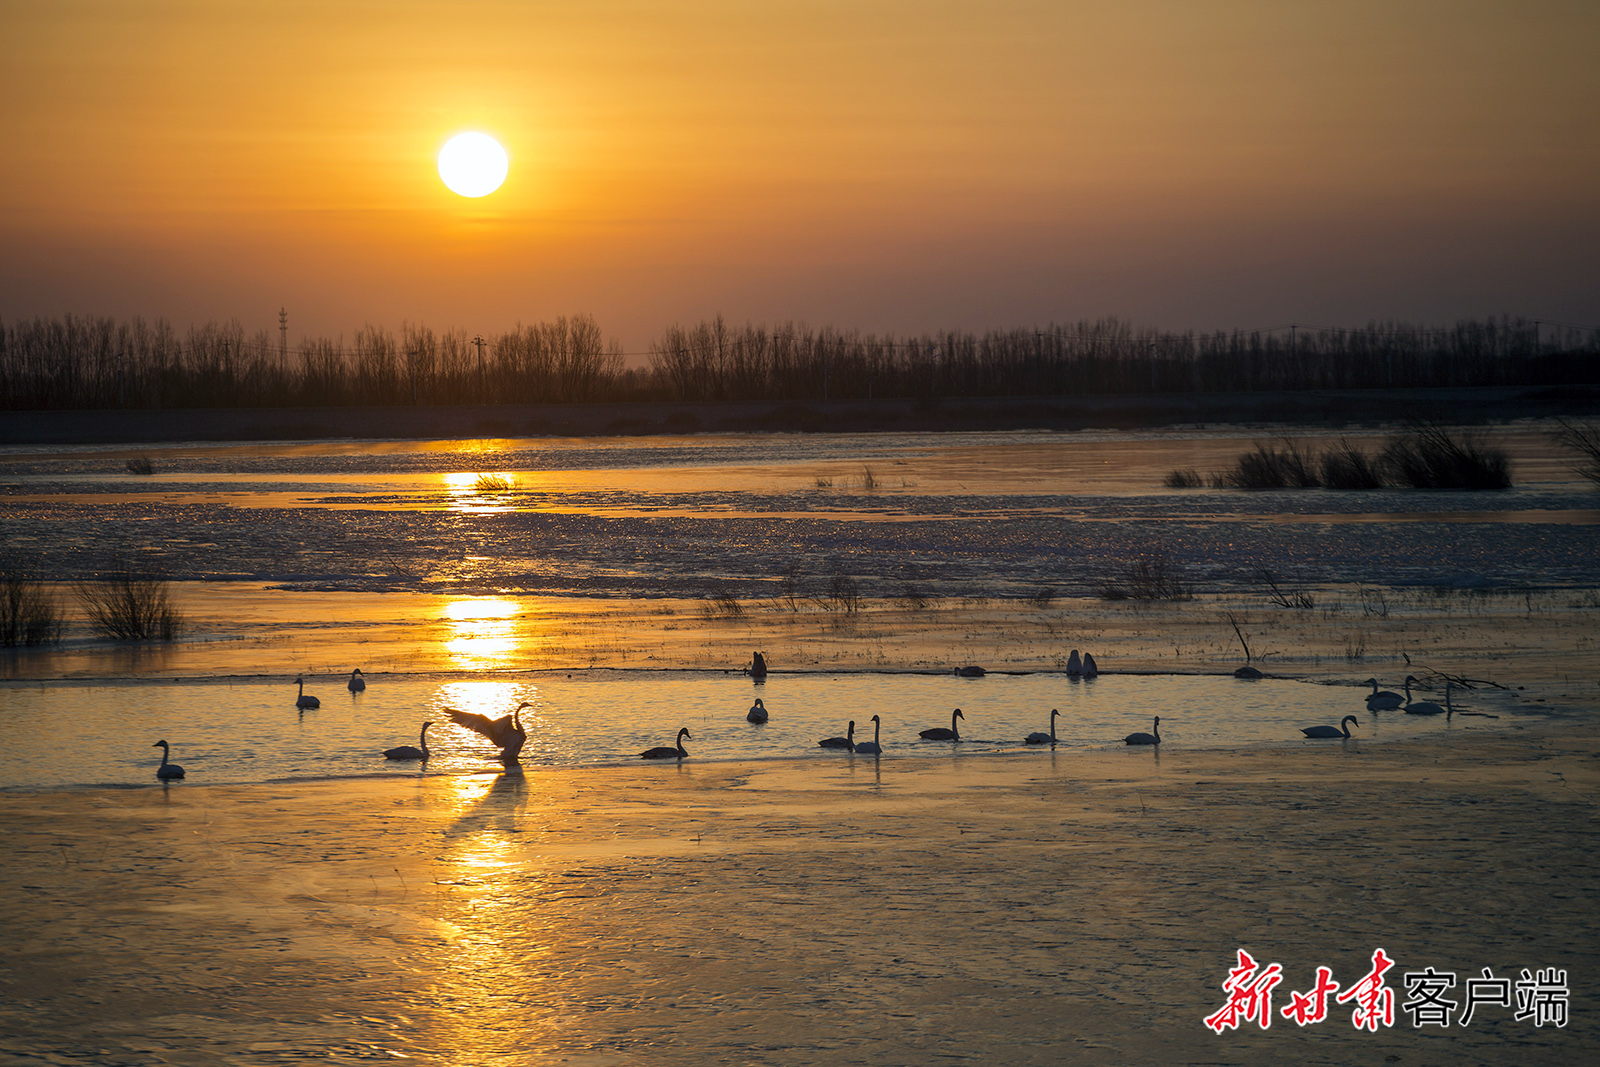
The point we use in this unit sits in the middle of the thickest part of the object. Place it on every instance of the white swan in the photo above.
(847, 741)
(506, 731)
(1428, 707)
(167, 771)
(757, 713)
(663, 752)
(356, 684)
(1089, 668)
(872, 748)
(1146, 739)
(302, 701)
(1044, 739)
(408, 752)
(1331, 731)
(939, 733)
(1383, 700)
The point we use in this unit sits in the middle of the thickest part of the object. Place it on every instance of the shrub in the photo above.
(1187, 478)
(1584, 439)
(28, 614)
(1431, 457)
(1155, 577)
(130, 607)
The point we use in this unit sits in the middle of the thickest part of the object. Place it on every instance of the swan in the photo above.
(1428, 707)
(1382, 700)
(663, 752)
(872, 748)
(1331, 731)
(847, 741)
(757, 713)
(1247, 672)
(1044, 739)
(356, 683)
(758, 666)
(939, 733)
(303, 701)
(1089, 668)
(167, 771)
(1074, 665)
(408, 752)
(1153, 738)
(506, 731)
(971, 672)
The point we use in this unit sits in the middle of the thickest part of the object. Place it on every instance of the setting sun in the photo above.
(473, 164)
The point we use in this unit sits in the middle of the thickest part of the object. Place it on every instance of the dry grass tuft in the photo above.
(127, 606)
(28, 614)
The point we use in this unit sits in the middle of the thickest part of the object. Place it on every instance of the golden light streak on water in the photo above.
(483, 634)
(479, 492)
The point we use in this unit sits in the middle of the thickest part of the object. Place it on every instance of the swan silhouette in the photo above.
(1428, 707)
(758, 666)
(847, 741)
(1044, 739)
(872, 748)
(304, 701)
(1089, 668)
(1383, 700)
(1153, 738)
(757, 713)
(1247, 672)
(507, 731)
(356, 684)
(939, 733)
(663, 752)
(408, 752)
(971, 672)
(167, 771)
(1074, 665)
(1331, 731)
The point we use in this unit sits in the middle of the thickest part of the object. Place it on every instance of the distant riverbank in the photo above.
(1325, 408)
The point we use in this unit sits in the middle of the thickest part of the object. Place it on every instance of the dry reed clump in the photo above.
(140, 465)
(126, 606)
(492, 483)
(1431, 457)
(1347, 467)
(1427, 456)
(28, 614)
(1186, 478)
(722, 606)
(1584, 439)
(1155, 577)
(869, 480)
(1270, 468)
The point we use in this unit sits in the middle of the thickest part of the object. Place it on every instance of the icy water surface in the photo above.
(79, 735)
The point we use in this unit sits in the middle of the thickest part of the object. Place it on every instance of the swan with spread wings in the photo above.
(506, 731)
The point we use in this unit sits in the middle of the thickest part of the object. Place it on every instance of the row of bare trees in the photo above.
(79, 362)
(712, 361)
(76, 362)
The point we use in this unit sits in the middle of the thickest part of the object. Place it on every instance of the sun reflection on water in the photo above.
(479, 492)
(483, 633)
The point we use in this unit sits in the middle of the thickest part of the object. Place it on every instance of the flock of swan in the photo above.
(509, 735)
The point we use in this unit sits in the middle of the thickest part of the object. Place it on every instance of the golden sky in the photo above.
(874, 163)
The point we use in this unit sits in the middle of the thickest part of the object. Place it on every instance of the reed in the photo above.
(1347, 467)
(1152, 577)
(1430, 456)
(1185, 478)
(492, 483)
(140, 465)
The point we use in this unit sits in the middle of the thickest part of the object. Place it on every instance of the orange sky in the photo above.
(888, 165)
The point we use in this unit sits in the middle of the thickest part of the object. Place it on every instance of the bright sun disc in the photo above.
(473, 164)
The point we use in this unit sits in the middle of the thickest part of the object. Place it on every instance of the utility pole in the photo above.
(283, 335)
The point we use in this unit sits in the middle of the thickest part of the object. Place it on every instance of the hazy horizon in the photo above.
(886, 166)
